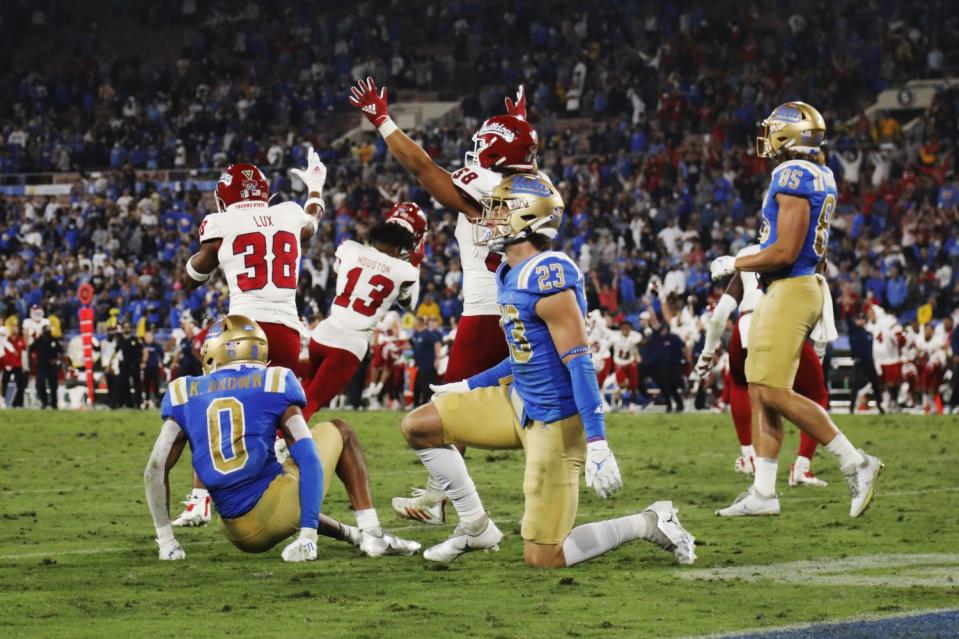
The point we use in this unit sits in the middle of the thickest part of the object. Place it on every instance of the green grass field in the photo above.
(77, 556)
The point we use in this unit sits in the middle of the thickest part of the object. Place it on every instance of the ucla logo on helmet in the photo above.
(788, 113)
(529, 185)
(214, 331)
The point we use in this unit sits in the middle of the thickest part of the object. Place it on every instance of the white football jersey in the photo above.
(625, 347)
(260, 257)
(368, 282)
(479, 264)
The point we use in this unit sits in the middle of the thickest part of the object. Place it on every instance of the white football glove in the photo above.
(314, 175)
(171, 551)
(703, 365)
(453, 387)
(722, 266)
(303, 549)
(602, 471)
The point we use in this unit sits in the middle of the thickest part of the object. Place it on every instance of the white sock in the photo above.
(448, 468)
(434, 490)
(845, 453)
(748, 451)
(765, 480)
(367, 519)
(591, 540)
(200, 494)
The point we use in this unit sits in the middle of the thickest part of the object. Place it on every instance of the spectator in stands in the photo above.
(897, 289)
(150, 367)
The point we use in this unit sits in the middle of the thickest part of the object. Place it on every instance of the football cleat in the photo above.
(745, 466)
(681, 543)
(861, 480)
(196, 513)
(751, 503)
(421, 506)
(462, 541)
(375, 543)
(800, 474)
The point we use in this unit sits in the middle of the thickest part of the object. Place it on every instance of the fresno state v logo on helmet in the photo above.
(241, 183)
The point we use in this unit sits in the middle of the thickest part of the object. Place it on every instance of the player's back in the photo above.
(230, 418)
(817, 185)
(368, 282)
(260, 256)
(539, 375)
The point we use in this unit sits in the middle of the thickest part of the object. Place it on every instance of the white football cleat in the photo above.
(861, 480)
(800, 474)
(196, 513)
(681, 543)
(375, 543)
(461, 542)
(421, 506)
(751, 503)
(745, 465)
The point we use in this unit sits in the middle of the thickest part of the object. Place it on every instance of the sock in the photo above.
(844, 452)
(367, 518)
(748, 451)
(591, 540)
(765, 481)
(434, 490)
(448, 467)
(807, 445)
(200, 494)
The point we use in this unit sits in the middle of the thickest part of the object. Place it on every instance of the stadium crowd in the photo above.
(647, 130)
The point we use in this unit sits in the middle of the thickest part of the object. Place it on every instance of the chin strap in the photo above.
(500, 243)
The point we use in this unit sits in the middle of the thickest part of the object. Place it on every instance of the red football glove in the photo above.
(370, 102)
(517, 109)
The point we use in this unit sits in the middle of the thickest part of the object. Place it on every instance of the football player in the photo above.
(797, 210)
(552, 409)
(503, 145)
(230, 416)
(369, 279)
(743, 292)
(258, 246)
(625, 344)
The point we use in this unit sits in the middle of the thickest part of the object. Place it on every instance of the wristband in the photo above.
(315, 200)
(194, 274)
(308, 533)
(576, 350)
(388, 127)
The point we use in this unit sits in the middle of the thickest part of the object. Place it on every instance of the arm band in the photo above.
(491, 376)
(304, 454)
(319, 202)
(576, 350)
(387, 127)
(589, 403)
(194, 274)
(717, 322)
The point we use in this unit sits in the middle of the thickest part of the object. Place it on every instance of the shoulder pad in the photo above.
(475, 181)
(798, 177)
(547, 273)
(276, 378)
(210, 228)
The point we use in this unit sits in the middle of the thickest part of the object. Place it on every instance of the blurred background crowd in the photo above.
(646, 114)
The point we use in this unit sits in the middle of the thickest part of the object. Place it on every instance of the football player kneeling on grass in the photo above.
(230, 416)
(552, 409)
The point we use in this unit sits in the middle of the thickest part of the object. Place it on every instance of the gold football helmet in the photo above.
(793, 126)
(233, 339)
(517, 207)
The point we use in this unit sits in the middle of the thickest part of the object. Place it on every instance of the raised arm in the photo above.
(156, 477)
(372, 103)
(314, 178)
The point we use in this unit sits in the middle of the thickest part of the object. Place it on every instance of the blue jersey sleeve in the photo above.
(792, 178)
(294, 391)
(548, 273)
(174, 400)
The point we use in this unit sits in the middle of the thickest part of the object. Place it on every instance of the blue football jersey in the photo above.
(539, 375)
(230, 418)
(812, 182)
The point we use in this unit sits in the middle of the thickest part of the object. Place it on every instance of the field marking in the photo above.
(769, 630)
(937, 570)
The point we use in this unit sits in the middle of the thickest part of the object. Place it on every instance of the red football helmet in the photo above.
(241, 183)
(411, 217)
(504, 142)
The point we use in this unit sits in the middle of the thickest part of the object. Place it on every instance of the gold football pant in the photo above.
(276, 515)
(555, 453)
(782, 320)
